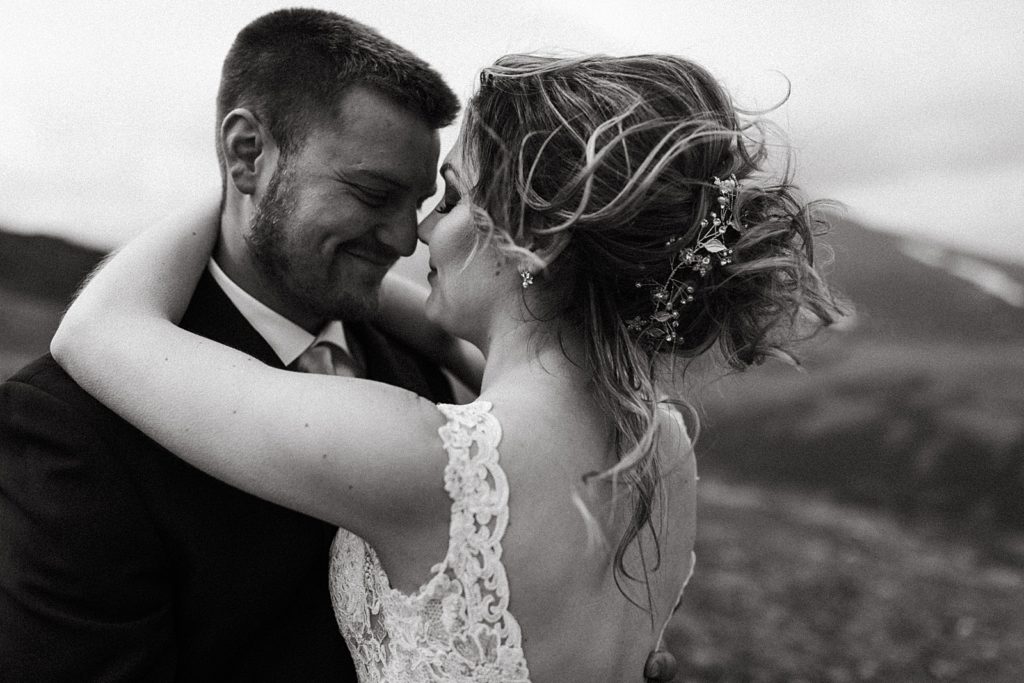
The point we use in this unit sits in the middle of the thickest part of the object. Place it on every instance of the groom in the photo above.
(117, 560)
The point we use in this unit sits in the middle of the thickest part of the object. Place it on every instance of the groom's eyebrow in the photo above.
(388, 180)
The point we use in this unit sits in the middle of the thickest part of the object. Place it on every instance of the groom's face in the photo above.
(339, 211)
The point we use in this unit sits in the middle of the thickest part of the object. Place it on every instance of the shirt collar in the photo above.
(287, 339)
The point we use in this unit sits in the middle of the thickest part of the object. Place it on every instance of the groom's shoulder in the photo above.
(45, 374)
(43, 384)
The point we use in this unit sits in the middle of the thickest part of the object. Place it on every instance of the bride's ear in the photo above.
(250, 155)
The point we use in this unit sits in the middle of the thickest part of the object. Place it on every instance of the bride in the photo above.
(604, 220)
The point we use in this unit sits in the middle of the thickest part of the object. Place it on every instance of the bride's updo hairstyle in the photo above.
(611, 163)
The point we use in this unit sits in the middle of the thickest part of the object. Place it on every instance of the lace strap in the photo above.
(479, 491)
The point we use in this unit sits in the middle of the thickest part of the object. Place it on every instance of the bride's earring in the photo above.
(526, 275)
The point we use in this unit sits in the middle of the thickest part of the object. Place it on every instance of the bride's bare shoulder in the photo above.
(548, 428)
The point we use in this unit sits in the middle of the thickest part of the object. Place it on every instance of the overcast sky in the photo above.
(908, 112)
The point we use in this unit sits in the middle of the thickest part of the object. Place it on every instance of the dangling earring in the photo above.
(526, 275)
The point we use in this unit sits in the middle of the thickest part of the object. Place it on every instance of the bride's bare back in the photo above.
(562, 585)
(576, 623)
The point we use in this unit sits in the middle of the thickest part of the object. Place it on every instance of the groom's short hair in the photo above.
(290, 68)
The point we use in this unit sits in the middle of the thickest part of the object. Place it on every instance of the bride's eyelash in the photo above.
(448, 202)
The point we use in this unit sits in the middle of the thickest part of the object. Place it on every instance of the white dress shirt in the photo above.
(287, 339)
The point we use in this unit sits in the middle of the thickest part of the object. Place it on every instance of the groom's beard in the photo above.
(295, 266)
(269, 225)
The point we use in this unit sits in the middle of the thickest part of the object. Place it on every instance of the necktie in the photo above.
(325, 358)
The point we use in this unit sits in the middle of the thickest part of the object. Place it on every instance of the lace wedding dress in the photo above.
(457, 626)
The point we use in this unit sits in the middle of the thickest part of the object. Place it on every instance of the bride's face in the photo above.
(466, 275)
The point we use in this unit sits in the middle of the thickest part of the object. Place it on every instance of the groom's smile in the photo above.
(342, 208)
(373, 257)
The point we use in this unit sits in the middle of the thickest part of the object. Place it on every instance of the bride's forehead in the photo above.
(461, 163)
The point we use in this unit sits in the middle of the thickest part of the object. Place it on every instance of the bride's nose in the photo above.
(426, 227)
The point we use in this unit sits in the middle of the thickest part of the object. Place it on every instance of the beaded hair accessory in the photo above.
(690, 264)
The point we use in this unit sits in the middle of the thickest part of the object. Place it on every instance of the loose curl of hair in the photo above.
(608, 159)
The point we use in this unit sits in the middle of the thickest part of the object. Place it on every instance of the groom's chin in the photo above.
(361, 303)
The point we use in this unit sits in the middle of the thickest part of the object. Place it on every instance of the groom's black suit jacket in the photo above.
(118, 561)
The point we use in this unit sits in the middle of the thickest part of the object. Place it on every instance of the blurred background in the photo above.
(860, 520)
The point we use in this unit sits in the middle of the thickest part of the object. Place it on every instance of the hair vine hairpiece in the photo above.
(690, 264)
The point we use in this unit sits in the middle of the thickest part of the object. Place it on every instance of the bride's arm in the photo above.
(352, 452)
(402, 313)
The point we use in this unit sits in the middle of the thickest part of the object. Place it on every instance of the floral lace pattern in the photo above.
(456, 626)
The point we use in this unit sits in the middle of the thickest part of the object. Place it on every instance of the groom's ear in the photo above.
(250, 155)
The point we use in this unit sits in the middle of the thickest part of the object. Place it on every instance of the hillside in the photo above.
(917, 408)
(953, 296)
(791, 587)
(38, 276)
(42, 267)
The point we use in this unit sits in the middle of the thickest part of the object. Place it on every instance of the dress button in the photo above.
(661, 665)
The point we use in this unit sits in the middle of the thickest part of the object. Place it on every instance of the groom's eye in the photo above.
(370, 198)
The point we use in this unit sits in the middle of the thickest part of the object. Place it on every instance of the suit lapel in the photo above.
(212, 315)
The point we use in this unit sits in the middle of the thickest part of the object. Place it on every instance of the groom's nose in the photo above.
(399, 232)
